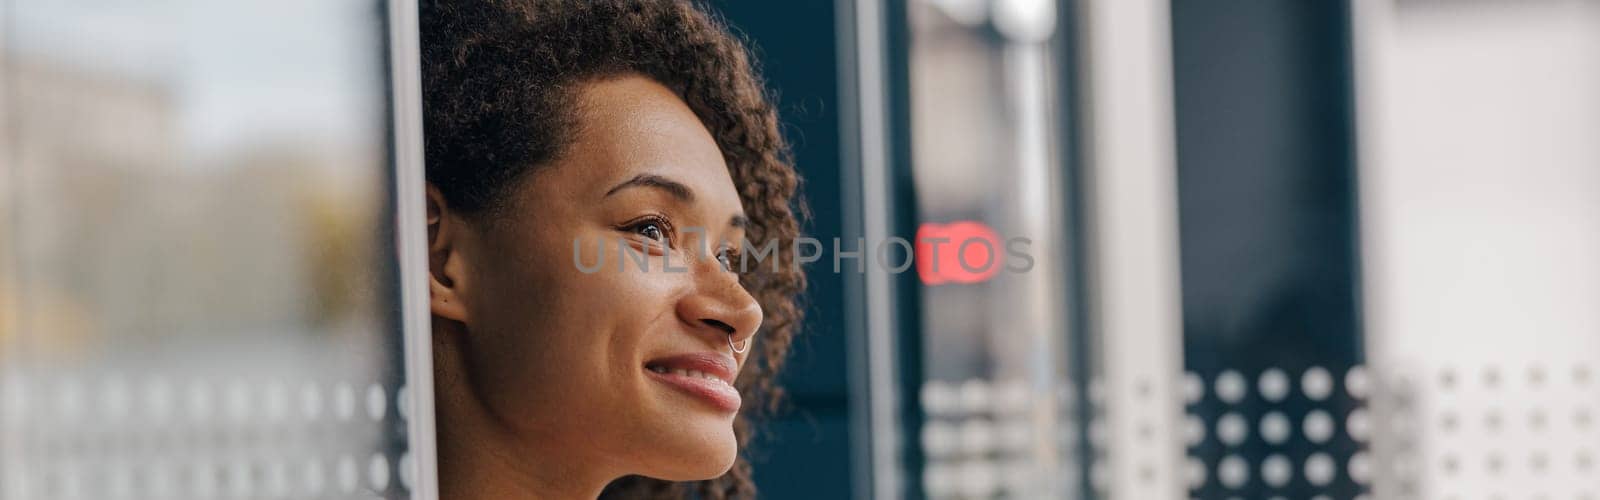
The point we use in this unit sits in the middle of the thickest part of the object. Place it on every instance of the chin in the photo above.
(694, 456)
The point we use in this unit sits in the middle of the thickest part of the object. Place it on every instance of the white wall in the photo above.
(1480, 163)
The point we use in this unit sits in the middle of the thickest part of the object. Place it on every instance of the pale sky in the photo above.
(241, 71)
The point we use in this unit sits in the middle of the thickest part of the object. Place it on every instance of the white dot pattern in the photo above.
(980, 437)
(164, 436)
(1450, 432)
(1277, 433)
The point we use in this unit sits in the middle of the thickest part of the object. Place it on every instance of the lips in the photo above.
(707, 377)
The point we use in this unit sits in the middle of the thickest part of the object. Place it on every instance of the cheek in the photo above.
(624, 310)
(547, 320)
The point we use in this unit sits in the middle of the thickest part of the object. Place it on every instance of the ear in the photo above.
(446, 267)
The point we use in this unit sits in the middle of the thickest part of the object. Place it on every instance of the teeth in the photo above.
(686, 373)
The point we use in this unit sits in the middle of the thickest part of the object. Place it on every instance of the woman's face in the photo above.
(597, 366)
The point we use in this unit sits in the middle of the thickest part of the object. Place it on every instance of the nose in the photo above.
(721, 307)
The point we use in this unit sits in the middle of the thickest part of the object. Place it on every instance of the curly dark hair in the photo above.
(499, 81)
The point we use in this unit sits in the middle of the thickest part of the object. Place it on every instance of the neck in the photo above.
(481, 458)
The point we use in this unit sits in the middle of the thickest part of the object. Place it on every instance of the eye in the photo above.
(651, 230)
(654, 228)
(727, 256)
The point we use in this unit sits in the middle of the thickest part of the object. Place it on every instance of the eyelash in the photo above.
(661, 223)
(667, 235)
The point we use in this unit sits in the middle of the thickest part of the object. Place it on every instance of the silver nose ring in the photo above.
(735, 347)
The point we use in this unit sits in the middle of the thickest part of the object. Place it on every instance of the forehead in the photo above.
(633, 125)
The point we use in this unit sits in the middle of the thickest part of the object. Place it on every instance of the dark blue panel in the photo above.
(1268, 232)
(795, 45)
(1266, 183)
(807, 460)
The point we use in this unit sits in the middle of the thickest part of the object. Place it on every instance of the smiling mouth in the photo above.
(705, 377)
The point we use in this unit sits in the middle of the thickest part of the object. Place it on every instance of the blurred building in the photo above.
(198, 293)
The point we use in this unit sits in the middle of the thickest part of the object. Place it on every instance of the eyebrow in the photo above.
(676, 189)
(672, 187)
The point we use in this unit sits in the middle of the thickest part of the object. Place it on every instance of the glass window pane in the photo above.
(204, 276)
(996, 397)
